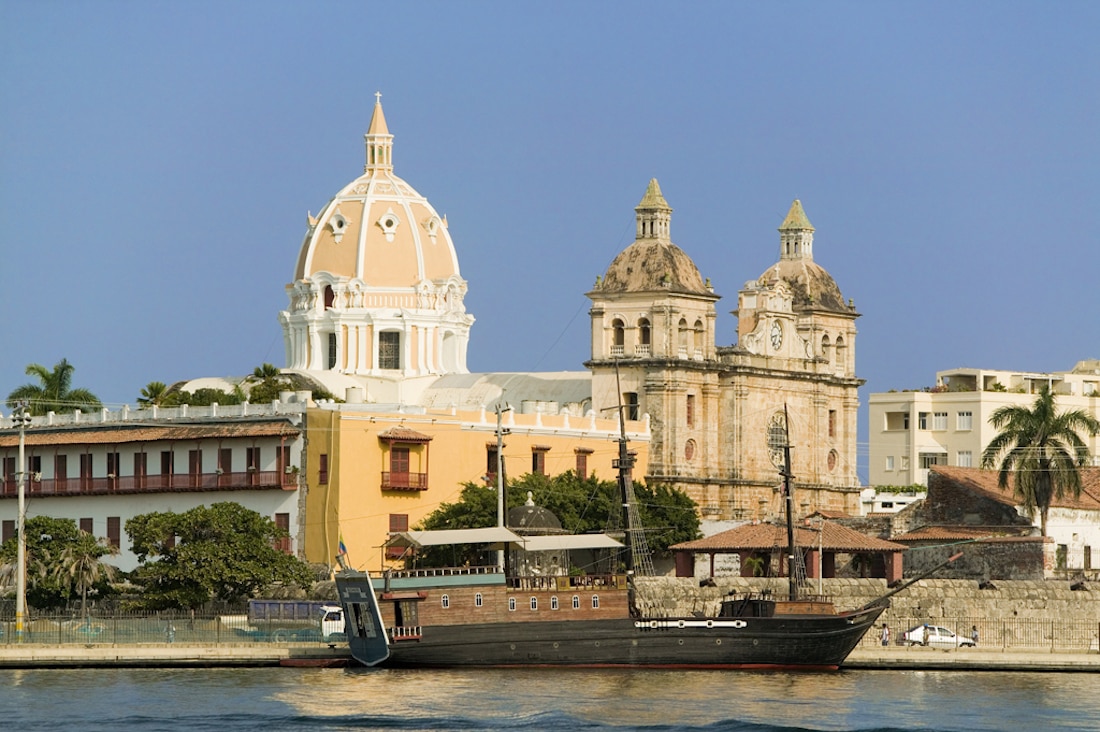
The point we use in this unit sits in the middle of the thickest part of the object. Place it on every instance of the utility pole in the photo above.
(22, 419)
(501, 409)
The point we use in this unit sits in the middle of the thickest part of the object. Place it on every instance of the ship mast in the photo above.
(638, 559)
(793, 583)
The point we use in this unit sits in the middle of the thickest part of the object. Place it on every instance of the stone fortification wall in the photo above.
(931, 599)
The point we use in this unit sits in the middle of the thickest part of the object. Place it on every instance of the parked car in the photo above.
(935, 636)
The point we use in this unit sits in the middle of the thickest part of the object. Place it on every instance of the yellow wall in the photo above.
(353, 504)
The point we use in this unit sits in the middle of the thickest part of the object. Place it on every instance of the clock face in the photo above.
(777, 335)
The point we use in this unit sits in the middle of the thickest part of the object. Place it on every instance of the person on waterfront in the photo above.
(974, 634)
(885, 635)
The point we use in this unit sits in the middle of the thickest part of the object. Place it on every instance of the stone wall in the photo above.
(931, 600)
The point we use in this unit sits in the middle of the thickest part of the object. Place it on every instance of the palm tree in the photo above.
(1041, 449)
(54, 392)
(79, 568)
(267, 371)
(153, 394)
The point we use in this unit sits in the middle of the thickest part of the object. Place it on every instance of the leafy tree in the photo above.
(52, 545)
(219, 552)
(53, 392)
(582, 505)
(1041, 449)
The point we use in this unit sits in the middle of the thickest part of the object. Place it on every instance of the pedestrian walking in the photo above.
(974, 634)
(885, 635)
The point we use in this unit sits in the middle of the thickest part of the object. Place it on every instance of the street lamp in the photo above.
(22, 419)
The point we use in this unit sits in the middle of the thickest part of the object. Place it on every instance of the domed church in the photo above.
(376, 314)
(721, 415)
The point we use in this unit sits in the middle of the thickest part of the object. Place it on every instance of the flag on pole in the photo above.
(342, 553)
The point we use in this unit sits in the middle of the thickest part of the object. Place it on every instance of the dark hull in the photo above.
(788, 641)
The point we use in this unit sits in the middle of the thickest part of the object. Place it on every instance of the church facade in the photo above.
(721, 415)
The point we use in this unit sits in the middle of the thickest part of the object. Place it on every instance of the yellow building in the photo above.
(372, 472)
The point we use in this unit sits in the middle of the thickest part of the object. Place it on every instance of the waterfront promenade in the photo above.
(210, 655)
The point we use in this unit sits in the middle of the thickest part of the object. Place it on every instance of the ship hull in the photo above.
(807, 642)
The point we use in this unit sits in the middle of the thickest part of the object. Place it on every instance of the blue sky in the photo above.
(157, 161)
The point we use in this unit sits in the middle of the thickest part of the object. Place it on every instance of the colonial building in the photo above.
(948, 424)
(721, 415)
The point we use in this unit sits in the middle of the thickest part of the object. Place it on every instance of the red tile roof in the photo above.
(403, 434)
(150, 432)
(964, 533)
(769, 536)
(985, 483)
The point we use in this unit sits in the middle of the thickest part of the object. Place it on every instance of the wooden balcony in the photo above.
(404, 481)
(131, 484)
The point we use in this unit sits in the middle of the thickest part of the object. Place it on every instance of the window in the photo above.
(389, 350)
(595, 602)
(331, 351)
(582, 454)
(576, 602)
(61, 472)
(538, 459)
(225, 460)
(904, 462)
(939, 421)
(166, 462)
(252, 457)
(85, 472)
(966, 459)
(922, 420)
(282, 523)
(399, 459)
(889, 462)
(618, 337)
(965, 421)
(398, 522)
(644, 338)
(491, 462)
(928, 459)
(445, 601)
(630, 401)
(194, 467)
(322, 469)
(114, 531)
(554, 599)
(479, 600)
(86, 525)
(690, 410)
(534, 603)
(832, 423)
(511, 604)
(113, 462)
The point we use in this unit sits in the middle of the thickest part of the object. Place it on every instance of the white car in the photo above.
(935, 636)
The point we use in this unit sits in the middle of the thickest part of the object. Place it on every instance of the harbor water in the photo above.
(222, 700)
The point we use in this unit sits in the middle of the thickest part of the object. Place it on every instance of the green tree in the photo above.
(582, 505)
(53, 392)
(80, 570)
(51, 544)
(219, 552)
(1041, 449)
(153, 394)
(266, 371)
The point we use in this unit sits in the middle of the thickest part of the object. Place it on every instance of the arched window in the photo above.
(825, 347)
(644, 332)
(618, 336)
(331, 351)
(841, 353)
(389, 350)
(699, 337)
(329, 297)
(682, 333)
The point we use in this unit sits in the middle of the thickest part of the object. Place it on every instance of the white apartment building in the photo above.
(104, 468)
(910, 431)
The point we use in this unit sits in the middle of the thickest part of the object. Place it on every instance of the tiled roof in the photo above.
(768, 536)
(985, 482)
(150, 432)
(963, 533)
(403, 434)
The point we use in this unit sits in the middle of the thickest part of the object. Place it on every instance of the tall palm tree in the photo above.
(79, 568)
(153, 394)
(267, 371)
(1042, 450)
(53, 392)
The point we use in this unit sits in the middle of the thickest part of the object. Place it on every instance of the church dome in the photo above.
(378, 229)
(653, 262)
(530, 519)
(811, 285)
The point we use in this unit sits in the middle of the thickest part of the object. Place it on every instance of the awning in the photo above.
(491, 535)
(563, 542)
